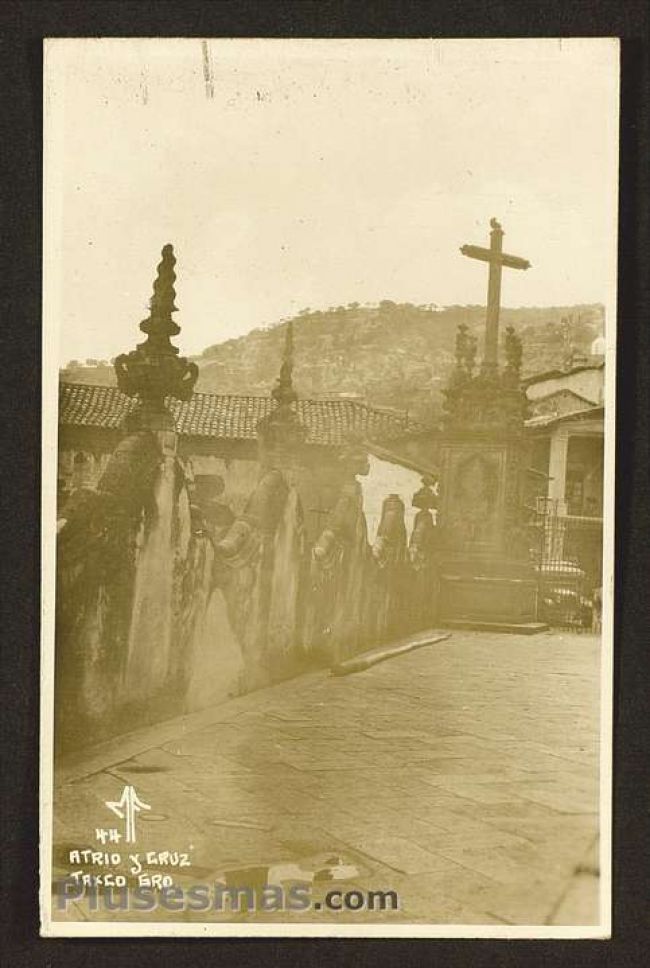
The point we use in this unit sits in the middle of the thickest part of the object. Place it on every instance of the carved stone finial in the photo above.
(283, 392)
(513, 353)
(282, 430)
(159, 325)
(390, 544)
(154, 370)
(425, 498)
(465, 354)
(423, 540)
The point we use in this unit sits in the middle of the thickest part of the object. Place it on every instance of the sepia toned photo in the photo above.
(328, 468)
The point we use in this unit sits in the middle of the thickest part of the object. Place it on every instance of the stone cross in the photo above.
(497, 259)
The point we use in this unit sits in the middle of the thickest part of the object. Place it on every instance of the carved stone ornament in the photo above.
(489, 400)
(282, 429)
(154, 371)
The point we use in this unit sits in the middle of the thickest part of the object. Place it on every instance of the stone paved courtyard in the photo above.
(463, 776)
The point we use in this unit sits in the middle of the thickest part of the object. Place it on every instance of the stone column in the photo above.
(557, 469)
(557, 492)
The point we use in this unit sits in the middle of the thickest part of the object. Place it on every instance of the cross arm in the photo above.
(476, 252)
(487, 255)
(514, 261)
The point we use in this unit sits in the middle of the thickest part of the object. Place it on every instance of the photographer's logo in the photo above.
(126, 809)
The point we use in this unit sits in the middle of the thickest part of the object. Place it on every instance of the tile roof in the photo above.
(233, 417)
(556, 374)
(546, 419)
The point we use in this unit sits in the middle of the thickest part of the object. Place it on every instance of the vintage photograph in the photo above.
(328, 465)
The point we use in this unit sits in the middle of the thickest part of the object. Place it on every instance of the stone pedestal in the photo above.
(486, 574)
(487, 592)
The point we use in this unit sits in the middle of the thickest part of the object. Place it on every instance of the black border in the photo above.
(24, 26)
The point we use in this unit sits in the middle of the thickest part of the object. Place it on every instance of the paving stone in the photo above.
(464, 777)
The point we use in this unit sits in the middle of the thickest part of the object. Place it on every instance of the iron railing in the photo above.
(567, 551)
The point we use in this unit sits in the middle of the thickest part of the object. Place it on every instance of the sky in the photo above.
(296, 174)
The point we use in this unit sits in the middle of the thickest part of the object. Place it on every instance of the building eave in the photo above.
(558, 374)
(549, 420)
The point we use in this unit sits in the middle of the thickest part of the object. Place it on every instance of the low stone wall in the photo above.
(167, 603)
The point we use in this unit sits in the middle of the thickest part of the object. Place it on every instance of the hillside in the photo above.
(391, 355)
